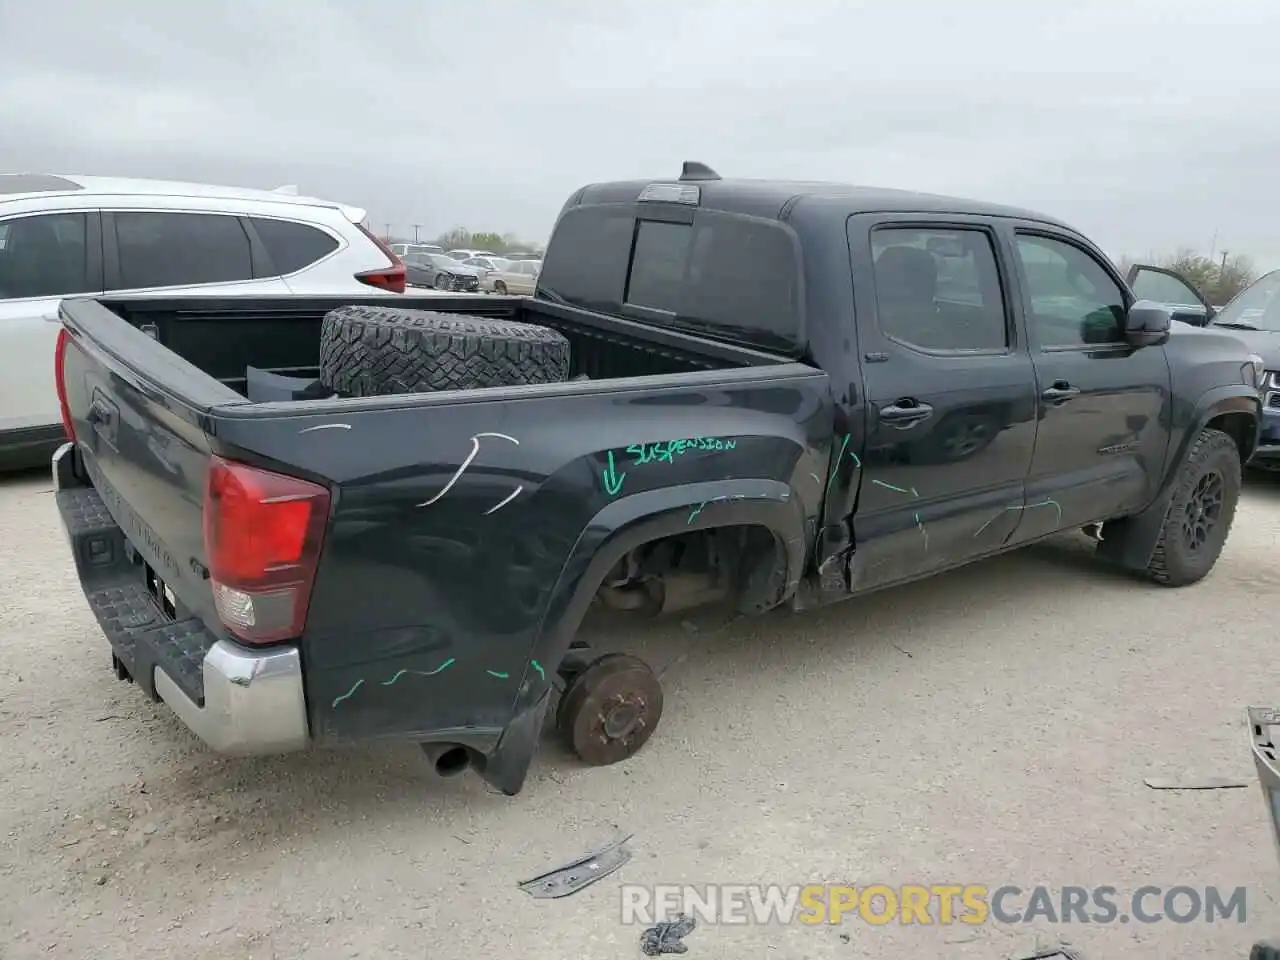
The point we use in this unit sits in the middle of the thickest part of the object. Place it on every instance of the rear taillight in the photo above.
(392, 278)
(60, 381)
(262, 537)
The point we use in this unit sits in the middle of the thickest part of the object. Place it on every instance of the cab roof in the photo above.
(773, 198)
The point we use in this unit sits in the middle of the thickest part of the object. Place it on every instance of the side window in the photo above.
(1072, 300)
(939, 288)
(292, 246)
(44, 256)
(179, 249)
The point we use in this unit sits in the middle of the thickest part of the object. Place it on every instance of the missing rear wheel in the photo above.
(610, 709)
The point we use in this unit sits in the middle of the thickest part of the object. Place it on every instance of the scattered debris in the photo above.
(569, 879)
(1193, 783)
(666, 937)
(1061, 952)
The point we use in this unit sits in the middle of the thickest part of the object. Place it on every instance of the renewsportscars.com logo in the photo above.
(972, 904)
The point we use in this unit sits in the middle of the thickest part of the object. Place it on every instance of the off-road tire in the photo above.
(1174, 563)
(373, 351)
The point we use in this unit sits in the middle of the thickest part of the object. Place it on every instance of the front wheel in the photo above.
(500, 288)
(442, 282)
(1203, 506)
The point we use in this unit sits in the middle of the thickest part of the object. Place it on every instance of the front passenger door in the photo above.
(1101, 442)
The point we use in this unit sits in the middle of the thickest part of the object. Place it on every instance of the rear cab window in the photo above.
(722, 275)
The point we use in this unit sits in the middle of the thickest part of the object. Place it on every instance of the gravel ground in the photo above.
(993, 726)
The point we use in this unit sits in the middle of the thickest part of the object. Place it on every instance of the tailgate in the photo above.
(138, 412)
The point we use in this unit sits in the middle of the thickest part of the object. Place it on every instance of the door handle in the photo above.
(905, 412)
(1060, 392)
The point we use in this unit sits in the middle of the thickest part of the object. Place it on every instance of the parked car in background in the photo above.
(420, 269)
(468, 254)
(518, 277)
(401, 249)
(487, 264)
(452, 275)
(63, 236)
(1166, 286)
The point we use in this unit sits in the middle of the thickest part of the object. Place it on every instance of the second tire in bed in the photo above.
(371, 351)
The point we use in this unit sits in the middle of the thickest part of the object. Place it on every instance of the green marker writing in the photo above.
(611, 478)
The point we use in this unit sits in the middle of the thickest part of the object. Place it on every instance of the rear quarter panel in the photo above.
(458, 521)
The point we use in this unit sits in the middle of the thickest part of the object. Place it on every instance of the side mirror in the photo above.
(1147, 324)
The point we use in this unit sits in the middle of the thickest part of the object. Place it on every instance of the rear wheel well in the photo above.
(1241, 428)
(743, 562)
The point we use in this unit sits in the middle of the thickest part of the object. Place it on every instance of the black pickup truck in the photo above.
(305, 521)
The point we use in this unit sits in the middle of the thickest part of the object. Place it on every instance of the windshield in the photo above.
(1257, 306)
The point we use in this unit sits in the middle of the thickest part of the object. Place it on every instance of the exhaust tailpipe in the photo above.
(447, 759)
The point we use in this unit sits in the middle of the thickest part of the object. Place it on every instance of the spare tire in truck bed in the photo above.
(368, 351)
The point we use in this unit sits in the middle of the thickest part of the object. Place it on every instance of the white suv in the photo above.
(64, 236)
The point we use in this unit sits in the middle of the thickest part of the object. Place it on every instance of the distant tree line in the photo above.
(1217, 278)
(460, 238)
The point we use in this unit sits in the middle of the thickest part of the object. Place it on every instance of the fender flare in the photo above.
(1233, 398)
(631, 521)
(619, 527)
(1131, 542)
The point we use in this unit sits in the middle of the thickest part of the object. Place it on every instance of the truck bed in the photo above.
(282, 335)
(464, 530)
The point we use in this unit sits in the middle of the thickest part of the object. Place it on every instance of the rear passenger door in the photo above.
(1101, 443)
(180, 252)
(950, 395)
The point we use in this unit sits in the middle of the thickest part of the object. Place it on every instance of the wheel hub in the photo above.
(620, 717)
(610, 709)
(1203, 510)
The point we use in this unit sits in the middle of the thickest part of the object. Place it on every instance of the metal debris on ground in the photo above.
(586, 870)
(1061, 952)
(1196, 783)
(667, 937)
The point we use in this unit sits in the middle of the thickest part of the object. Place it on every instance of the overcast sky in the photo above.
(1149, 124)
